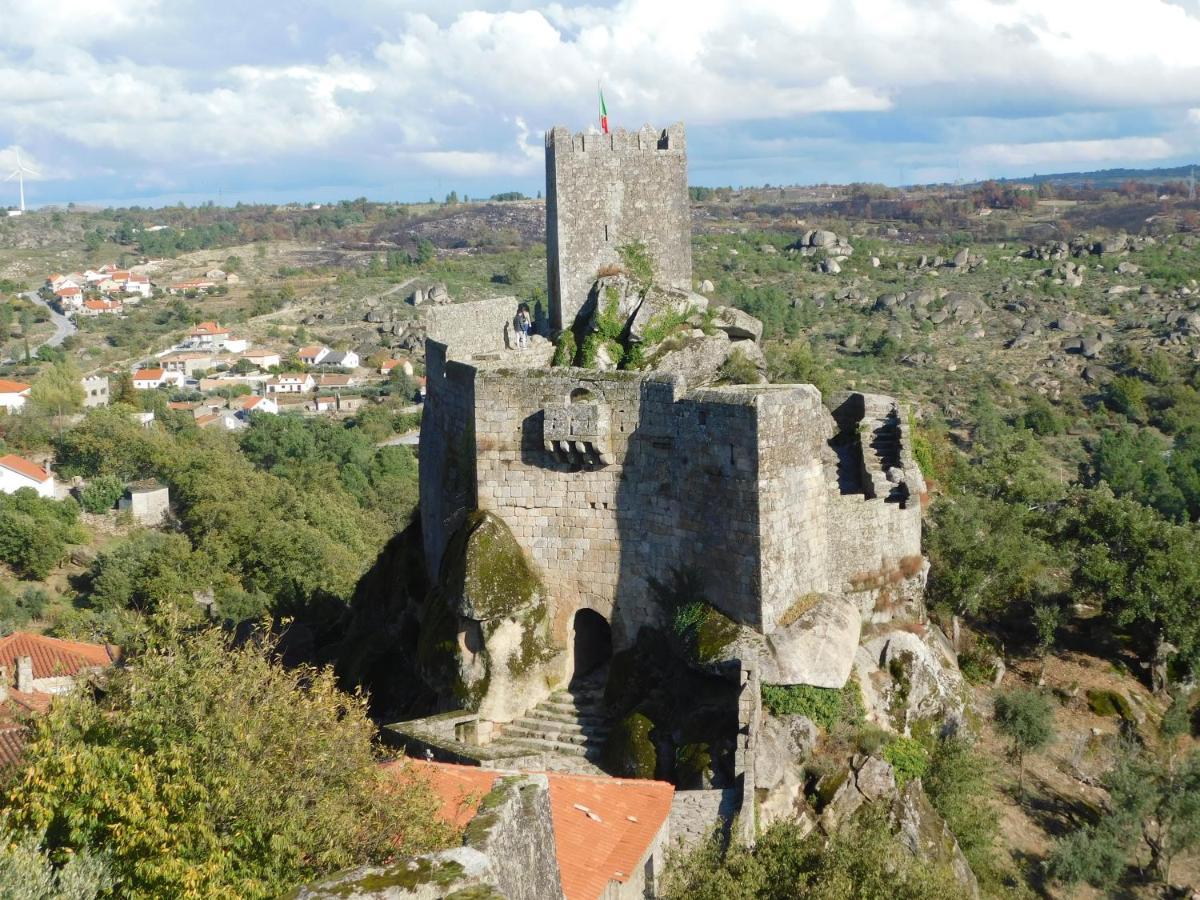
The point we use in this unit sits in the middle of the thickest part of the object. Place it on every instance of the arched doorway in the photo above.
(592, 644)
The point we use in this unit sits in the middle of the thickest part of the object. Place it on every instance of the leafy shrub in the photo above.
(738, 368)
(101, 493)
(565, 349)
(908, 757)
(827, 707)
(862, 860)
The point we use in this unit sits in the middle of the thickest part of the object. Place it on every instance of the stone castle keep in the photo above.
(798, 522)
(603, 190)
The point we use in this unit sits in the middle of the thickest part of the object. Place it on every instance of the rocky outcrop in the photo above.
(783, 743)
(695, 356)
(740, 326)
(487, 629)
(919, 827)
(906, 677)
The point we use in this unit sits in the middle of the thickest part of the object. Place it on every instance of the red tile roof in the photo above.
(53, 656)
(205, 328)
(460, 788)
(12, 387)
(22, 466)
(12, 744)
(602, 826)
(148, 375)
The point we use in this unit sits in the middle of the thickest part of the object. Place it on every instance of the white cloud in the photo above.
(1052, 153)
(465, 87)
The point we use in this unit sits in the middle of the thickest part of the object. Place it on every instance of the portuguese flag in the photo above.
(603, 114)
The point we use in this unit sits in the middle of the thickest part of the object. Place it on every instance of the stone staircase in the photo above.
(568, 730)
(885, 444)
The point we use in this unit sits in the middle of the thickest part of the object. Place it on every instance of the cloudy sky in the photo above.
(167, 100)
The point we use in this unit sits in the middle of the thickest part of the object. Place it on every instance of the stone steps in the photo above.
(567, 729)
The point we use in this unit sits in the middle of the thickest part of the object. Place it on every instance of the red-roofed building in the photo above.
(610, 834)
(13, 394)
(33, 670)
(101, 307)
(16, 472)
(148, 379)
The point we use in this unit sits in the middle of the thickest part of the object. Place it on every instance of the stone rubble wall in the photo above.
(603, 191)
(696, 814)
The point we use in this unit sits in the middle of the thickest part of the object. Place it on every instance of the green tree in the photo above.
(101, 493)
(35, 532)
(1026, 718)
(149, 570)
(209, 770)
(58, 389)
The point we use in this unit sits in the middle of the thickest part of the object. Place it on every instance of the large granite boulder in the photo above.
(740, 326)
(486, 632)
(695, 356)
(906, 677)
(818, 648)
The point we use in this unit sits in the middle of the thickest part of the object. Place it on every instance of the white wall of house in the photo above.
(12, 402)
(11, 482)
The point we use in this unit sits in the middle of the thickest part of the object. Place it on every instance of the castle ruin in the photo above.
(798, 522)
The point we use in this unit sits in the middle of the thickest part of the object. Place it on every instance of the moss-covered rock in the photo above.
(1110, 703)
(485, 574)
(630, 751)
(536, 647)
(693, 766)
(705, 632)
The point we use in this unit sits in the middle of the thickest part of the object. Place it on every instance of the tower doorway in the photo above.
(592, 645)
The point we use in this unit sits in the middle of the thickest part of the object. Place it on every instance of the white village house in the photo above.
(16, 472)
(13, 394)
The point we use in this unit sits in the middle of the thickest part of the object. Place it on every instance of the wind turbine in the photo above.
(19, 173)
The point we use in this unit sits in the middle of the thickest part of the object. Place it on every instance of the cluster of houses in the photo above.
(211, 279)
(212, 358)
(97, 292)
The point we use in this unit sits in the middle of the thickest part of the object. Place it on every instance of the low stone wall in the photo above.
(482, 326)
(696, 814)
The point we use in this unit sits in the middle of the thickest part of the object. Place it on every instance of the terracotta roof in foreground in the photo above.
(602, 826)
(12, 744)
(53, 656)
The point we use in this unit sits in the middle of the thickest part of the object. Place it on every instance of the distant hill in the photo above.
(1106, 177)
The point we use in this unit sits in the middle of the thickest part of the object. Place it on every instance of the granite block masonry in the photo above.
(607, 190)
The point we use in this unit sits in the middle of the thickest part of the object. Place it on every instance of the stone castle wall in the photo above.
(605, 190)
(735, 485)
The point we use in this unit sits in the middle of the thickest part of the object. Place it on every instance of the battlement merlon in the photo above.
(671, 139)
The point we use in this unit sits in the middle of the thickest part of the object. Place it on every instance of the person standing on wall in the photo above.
(523, 324)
